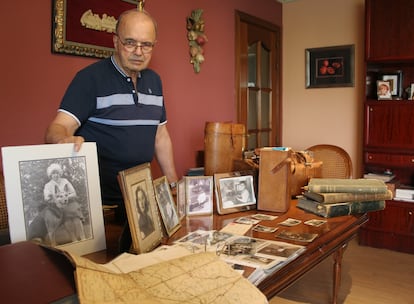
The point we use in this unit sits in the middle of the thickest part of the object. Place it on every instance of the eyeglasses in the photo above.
(132, 46)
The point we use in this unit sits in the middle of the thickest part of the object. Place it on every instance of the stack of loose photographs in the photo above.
(258, 257)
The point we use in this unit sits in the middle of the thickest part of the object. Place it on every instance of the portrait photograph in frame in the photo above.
(166, 205)
(53, 196)
(141, 208)
(329, 67)
(86, 27)
(199, 193)
(384, 90)
(234, 192)
(181, 199)
(395, 80)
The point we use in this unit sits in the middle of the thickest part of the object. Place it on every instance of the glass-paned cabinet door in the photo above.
(259, 116)
(252, 70)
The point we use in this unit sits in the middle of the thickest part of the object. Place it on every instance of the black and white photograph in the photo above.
(166, 205)
(199, 191)
(141, 208)
(56, 196)
(181, 199)
(55, 200)
(237, 191)
(234, 192)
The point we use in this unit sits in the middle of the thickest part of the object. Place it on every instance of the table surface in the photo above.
(332, 236)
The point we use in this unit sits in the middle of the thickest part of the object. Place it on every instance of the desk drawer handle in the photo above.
(410, 213)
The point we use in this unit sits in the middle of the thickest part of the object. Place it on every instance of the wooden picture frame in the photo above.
(199, 195)
(395, 80)
(234, 192)
(145, 225)
(86, 27)
(54, 196)
(166, 206)
(181, 199)
(329, 67)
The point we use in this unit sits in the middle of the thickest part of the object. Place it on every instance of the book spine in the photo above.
(324, 210)
(328, 198)
(368, 206)
(345, 188)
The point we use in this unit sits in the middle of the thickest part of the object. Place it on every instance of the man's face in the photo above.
(135, 28)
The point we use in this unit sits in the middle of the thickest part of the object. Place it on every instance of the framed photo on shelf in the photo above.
(234, 192)
(53, 196)
(199, 193)
(166, 205)
(384, 90)
(412, 92)
(329, 67)
(141, 208)
(395, 80)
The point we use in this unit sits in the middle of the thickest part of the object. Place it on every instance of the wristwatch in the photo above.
(173, 185)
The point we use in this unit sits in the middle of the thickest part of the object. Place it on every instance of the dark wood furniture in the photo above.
(388, 126)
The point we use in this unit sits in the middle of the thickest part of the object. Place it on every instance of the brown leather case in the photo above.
(223, 143)
(274, 180)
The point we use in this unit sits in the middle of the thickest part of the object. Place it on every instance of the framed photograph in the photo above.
(54, 196)
(329, 67)
(166, 205)
(86, 27)
(383, 90)
(141, 208)
(234, 192)
(199, 190)
(395, 82)
(181, 199)
(412, 92)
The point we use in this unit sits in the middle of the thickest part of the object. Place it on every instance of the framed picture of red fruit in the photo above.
(330, 67)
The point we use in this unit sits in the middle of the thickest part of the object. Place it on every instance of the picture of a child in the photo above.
(383, 90)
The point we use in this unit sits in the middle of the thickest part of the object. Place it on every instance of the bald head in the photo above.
(135, 16)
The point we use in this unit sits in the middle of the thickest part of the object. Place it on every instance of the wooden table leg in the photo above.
(337, 255)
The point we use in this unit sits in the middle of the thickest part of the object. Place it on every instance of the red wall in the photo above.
(33, 79)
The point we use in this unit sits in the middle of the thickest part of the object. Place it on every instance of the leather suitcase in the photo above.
(274, 180)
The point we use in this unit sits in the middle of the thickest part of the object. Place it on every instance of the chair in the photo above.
(336, 161)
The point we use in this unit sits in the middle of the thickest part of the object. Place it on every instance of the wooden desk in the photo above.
(333, 239)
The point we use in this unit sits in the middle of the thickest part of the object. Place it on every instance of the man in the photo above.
(118, 103)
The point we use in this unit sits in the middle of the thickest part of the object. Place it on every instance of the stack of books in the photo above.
(331, 197)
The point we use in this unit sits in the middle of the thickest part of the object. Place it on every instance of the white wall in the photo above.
(326, 115)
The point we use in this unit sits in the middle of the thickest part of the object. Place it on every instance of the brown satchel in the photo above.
(224, 142)
(303, 168)
(274, 180)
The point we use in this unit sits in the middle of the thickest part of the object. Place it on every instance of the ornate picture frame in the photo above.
(166, 205)
(199, 195)
(54, 197)
(86, 27)
(234, 192)
(141, 208)
(329, 67)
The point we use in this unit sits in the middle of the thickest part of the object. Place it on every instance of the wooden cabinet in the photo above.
(389, 124)
(392, 228)
(389, 27)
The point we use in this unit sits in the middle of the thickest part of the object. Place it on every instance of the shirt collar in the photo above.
(119, 68)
